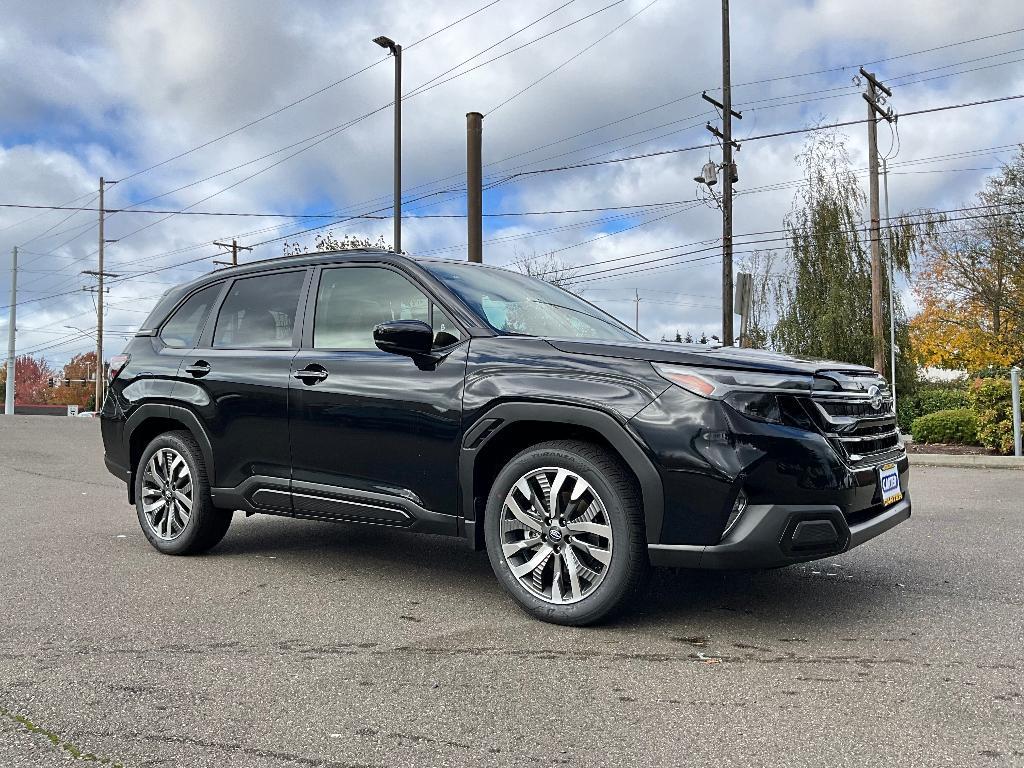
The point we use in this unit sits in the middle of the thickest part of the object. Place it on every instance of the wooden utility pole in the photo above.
(99, 311)
(874, 112)
(233, 247)
(726, 181)
(474, 186)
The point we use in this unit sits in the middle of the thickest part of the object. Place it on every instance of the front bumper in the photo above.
(774, 535)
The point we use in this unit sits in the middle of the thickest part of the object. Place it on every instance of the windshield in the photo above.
(526, 306)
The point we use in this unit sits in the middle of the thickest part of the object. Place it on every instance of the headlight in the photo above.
(763, 406)
(755, 394)
(717, 383)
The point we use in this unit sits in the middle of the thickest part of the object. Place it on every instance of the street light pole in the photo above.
(12, 318)
(396, 51)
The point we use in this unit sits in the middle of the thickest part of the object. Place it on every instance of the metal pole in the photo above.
(636, 322)
(99, 313)
(726, 182)
(398, 148)
(892, 298)
(474, 186)
(1015, 387)
(11, 332)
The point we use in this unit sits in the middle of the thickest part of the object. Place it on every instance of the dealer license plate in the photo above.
(889, 481)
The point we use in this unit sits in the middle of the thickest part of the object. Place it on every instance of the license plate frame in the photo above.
(889, 484)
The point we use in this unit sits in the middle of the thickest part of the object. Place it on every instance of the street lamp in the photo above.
(396, 51)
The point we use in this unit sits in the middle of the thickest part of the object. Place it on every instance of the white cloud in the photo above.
(110, 88)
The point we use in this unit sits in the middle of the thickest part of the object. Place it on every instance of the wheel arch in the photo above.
(508, 428)
(152, 419)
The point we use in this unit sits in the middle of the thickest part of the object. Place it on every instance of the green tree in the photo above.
(824, 298)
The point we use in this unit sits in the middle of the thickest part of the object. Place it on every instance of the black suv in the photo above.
(453, 398)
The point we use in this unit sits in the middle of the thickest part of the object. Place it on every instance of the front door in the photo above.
(374, 436)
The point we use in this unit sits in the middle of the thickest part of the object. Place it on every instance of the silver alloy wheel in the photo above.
(555, 535)
(167, 494)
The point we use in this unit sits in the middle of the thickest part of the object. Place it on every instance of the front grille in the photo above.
(856, 416)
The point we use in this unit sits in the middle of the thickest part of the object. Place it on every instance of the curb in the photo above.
(969, 461)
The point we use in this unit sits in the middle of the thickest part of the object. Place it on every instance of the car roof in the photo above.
(171, 298)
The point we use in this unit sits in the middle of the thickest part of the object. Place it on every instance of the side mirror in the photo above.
(404, 337)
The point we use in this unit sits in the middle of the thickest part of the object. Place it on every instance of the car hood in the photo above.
(706, 356)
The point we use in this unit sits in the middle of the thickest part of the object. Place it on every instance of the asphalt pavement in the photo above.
(316, 644)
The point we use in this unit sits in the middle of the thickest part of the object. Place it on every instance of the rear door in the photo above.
(237, 381)
(374, 435)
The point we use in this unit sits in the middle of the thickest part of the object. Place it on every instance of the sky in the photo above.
(245, 106)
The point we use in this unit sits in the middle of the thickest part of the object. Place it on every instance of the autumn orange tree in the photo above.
(79, 390)
(970, 281)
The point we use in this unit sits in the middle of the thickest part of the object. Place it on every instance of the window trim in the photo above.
(206, 341)
(309, 315)
(214, 307)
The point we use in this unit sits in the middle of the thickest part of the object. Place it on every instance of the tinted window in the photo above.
(352, 300)
(517, 304)
(186, 325)
(445, 331)
(259, 312)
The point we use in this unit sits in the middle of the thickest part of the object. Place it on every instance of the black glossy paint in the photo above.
(400, 436)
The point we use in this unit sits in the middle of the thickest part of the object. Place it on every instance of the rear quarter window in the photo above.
(185, 326)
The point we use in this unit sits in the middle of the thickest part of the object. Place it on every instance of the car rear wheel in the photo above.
(172, 497)
(564, 532)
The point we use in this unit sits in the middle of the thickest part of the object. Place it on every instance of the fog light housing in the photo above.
(738, 506)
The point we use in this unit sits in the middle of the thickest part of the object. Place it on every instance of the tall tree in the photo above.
(970, 280)
(824, 298)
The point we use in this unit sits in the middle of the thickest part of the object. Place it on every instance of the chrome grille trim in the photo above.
(856, 430)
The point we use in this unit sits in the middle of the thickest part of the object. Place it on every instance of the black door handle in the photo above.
(198, 368)
(311, 374)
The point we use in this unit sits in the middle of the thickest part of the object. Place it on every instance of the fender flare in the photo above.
(615, 431)
(184, 416)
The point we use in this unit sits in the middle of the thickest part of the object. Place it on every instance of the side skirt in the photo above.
(313, 501)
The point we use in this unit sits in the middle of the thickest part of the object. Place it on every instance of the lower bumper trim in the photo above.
(769, 536)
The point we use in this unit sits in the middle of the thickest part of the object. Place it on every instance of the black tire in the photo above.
(616, 488)
(206, 524)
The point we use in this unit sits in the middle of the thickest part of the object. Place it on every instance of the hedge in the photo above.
(929, 398)
(992, 401)
(958, 426)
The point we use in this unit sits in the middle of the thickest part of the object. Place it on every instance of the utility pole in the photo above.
(726, 181)
(729, 175)
(636, 322)
(234, 248)
(874, 112)
(11, 333)
(475, 186)
(99, 312)
(892, 297)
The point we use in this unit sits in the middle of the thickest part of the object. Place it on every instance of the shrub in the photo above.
(959, 426)
(929, 398)
(992, 402)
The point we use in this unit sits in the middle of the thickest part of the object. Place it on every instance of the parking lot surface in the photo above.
(316, 644)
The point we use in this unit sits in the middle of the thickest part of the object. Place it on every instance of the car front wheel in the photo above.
(564, 532)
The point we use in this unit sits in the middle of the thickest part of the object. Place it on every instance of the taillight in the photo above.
(117, 364)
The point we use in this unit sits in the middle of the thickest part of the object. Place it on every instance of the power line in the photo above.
(572, 58)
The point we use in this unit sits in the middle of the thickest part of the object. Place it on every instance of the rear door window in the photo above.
(186, 325)
(259, 312)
